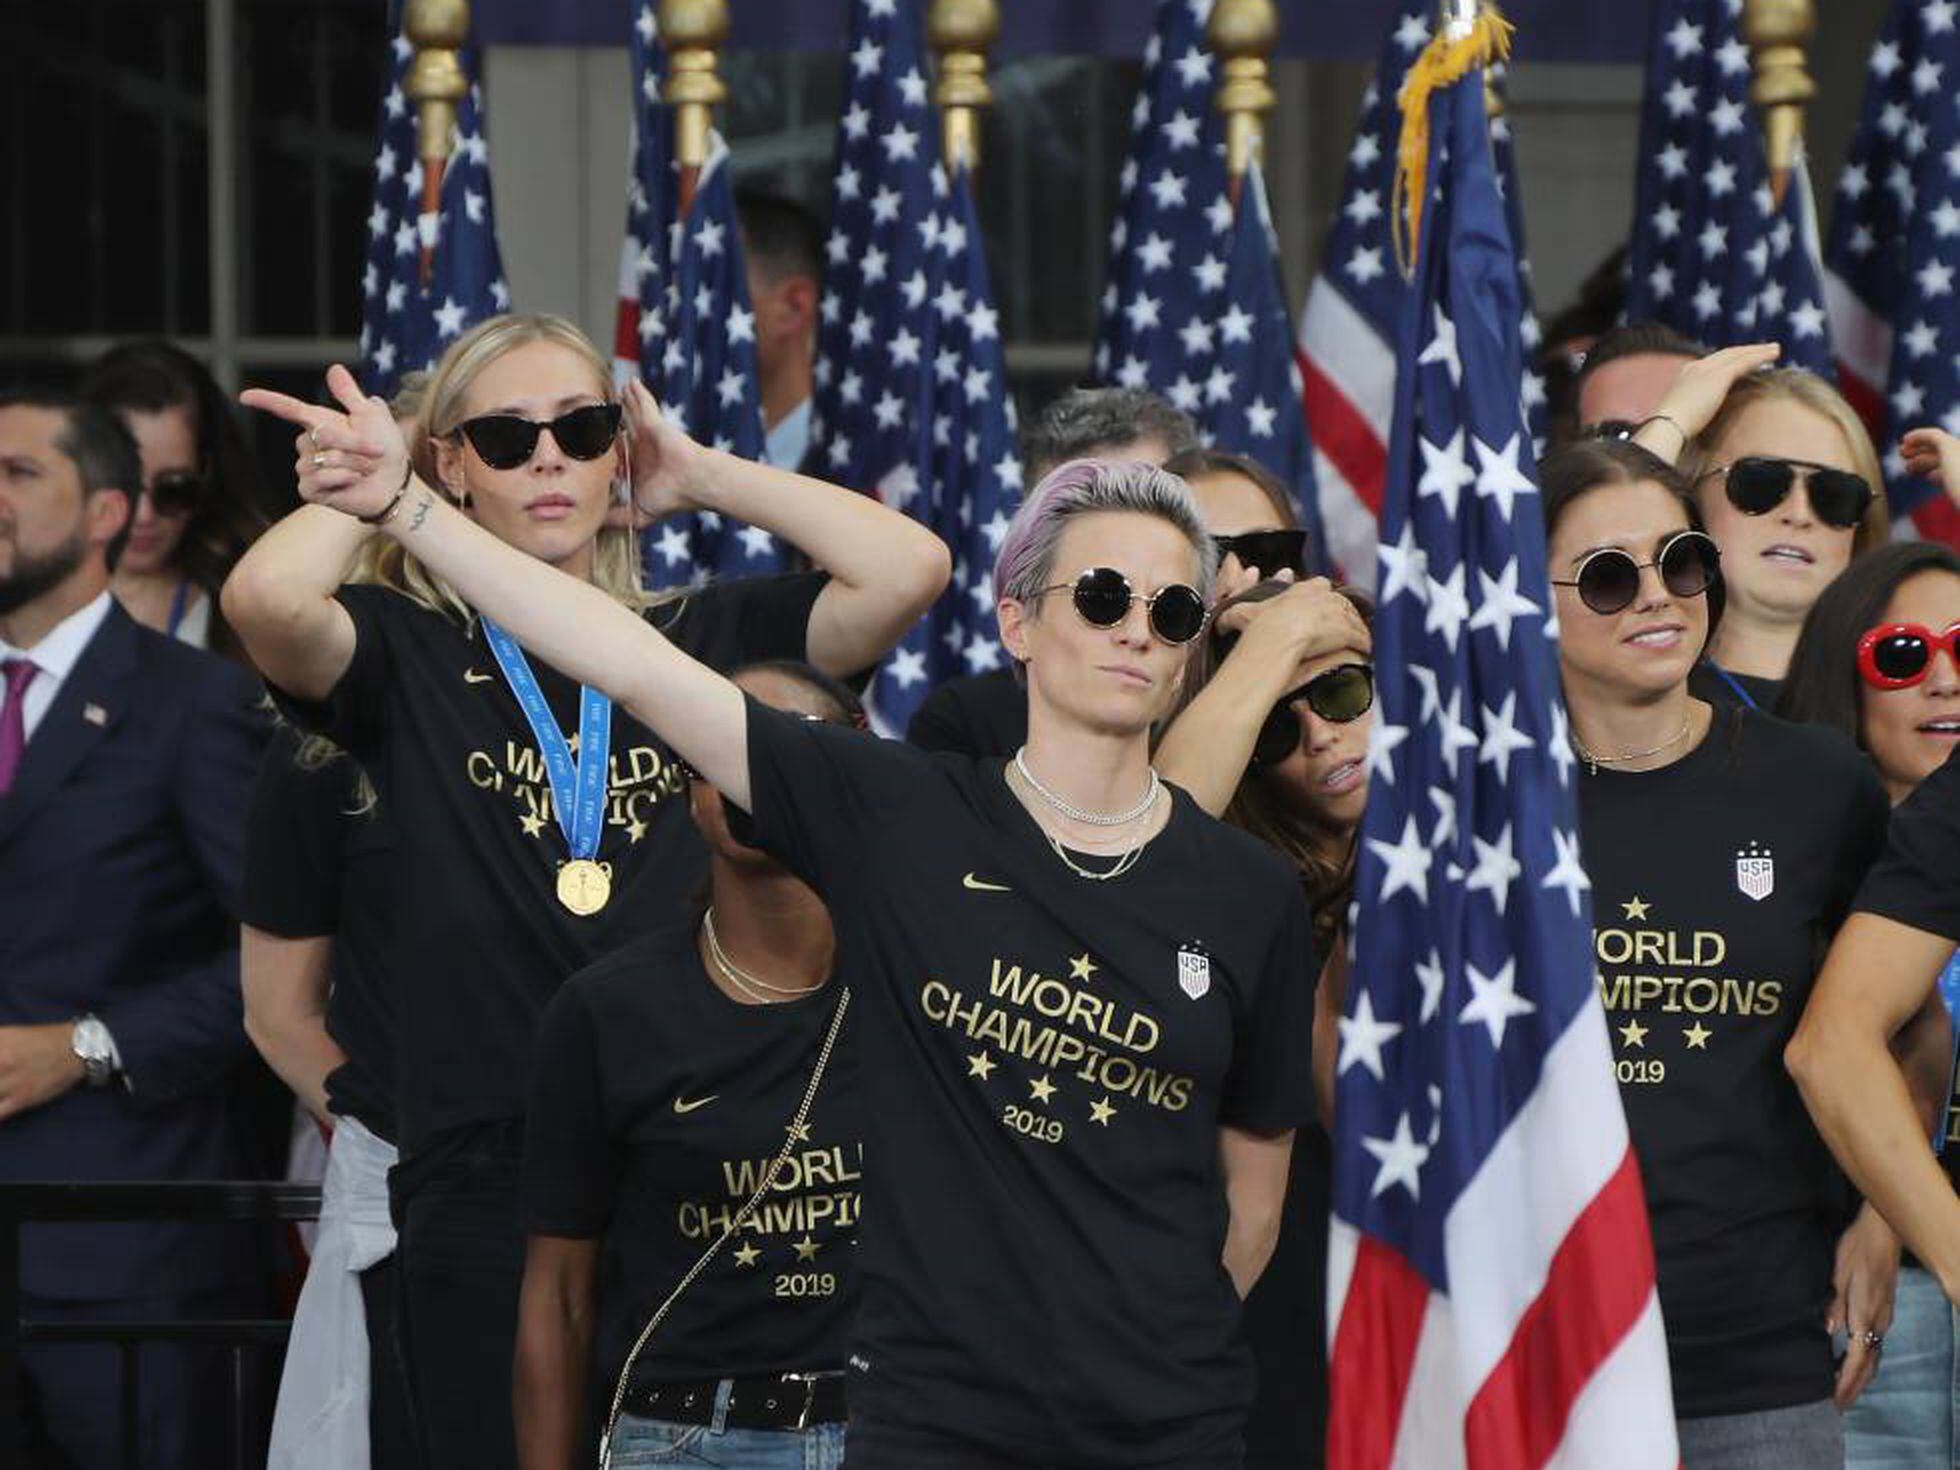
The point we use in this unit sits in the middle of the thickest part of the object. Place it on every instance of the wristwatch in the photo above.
(96, 1048)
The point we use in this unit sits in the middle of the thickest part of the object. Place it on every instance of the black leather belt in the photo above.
(768, 1401)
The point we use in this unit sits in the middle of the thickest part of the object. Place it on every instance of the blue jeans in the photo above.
(641, 1442)
(1804, 1437)
(1909, 1419)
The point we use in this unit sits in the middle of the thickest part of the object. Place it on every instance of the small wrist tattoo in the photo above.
(422, 503)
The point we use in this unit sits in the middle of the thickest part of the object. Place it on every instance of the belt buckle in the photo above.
(809, 1382)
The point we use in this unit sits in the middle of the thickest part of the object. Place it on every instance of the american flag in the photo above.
(407, 323)
(911, 396)
(1349, 327)
(1712, 254)
(1894, 250)
(1193, 306)
(684, 322)
(1491, 1279)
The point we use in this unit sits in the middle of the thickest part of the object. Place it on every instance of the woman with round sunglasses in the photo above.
(668, 1079)
(198, 509)
(1723, 847)
(1083, 1002)
(1877, 662)
(531, 855)
(1787, 484)
(1287, 762)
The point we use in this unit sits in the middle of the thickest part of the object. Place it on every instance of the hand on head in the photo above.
(1703, 384)
(1303, 622)
(353, 458)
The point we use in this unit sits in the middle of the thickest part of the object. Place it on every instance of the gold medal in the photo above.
(584, 886)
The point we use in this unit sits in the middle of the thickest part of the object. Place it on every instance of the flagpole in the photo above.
(1777, 32)
(437, 85)
(694, 31)
(960, 32)
(1241, 33)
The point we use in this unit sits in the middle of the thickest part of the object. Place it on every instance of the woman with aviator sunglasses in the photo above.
(531, 855)
(1789, 486)
(198, 509)
(1724, 848)
(1082, 1002)
(1878, 662)
(1274, 738)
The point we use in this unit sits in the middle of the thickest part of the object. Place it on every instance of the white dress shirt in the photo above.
(786, 443)
(55, 656)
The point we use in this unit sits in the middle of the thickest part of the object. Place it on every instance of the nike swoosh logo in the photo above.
(981, 885)
(681, 1105)
(471, 676)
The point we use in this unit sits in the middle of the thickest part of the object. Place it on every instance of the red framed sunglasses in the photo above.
(1899, 655)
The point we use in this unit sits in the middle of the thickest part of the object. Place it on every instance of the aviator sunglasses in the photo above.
(176, 492)
(504, 441)
(1900, 655)
(1608, 580)
(1756, 484)
(1339, 695)
(1267, 552)
(1102, 595)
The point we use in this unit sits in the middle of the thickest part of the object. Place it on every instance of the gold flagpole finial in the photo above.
(437, 85)
(1777, 32)
(960, 32)
(693, 31)
(1241, 33)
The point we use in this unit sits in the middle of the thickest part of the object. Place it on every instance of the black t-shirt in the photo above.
(657, 1104)
(1047, 1063)
(980, 716)
(484, 941)
(1917, 883)
(320, 862)
(1719, 686)
(1717, 884)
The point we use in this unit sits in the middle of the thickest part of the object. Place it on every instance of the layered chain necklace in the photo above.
(753, 986)
(1594, 761)
(1142, 810)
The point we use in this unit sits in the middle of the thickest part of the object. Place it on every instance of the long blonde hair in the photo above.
(1806, 390)
(616, 552)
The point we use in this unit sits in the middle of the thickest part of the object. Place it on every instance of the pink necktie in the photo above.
(13, 719)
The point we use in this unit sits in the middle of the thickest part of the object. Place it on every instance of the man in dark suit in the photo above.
(126, 766)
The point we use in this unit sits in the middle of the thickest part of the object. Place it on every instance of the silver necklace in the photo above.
(1078, 814)
(1594, 762)
(753, 986)
(1123, 864)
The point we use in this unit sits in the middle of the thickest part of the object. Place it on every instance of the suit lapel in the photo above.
(92, 700)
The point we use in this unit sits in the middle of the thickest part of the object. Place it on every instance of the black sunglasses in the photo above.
(1102, 596)
(1338, 696)
(1757, 483)
(504, 441)
(1267, 552)
(177, 492)
(1609, 579)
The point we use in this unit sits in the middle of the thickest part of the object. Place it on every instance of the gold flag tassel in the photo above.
(1448, 58)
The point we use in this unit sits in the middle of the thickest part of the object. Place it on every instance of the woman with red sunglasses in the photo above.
(1083, 1003)
(527, 856)
(1878, 662)
(1787, 483)
(1723, 847)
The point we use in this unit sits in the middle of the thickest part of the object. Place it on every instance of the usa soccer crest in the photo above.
(1755, 872)
(1193, 971)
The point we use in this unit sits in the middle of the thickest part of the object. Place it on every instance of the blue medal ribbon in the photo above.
(578, 794)
(1950, 992)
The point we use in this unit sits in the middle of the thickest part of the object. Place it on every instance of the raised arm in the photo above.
(1209, 745)
(1697, 395)
(571, 625)
(280, 596)
(1877, 976)
(885, 568)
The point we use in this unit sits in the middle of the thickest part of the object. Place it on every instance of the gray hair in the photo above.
(1082, 487)
(1093, 422)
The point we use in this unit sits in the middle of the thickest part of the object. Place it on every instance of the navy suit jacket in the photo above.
(121, 853)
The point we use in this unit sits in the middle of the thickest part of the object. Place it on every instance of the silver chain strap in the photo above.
(742, 1217)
